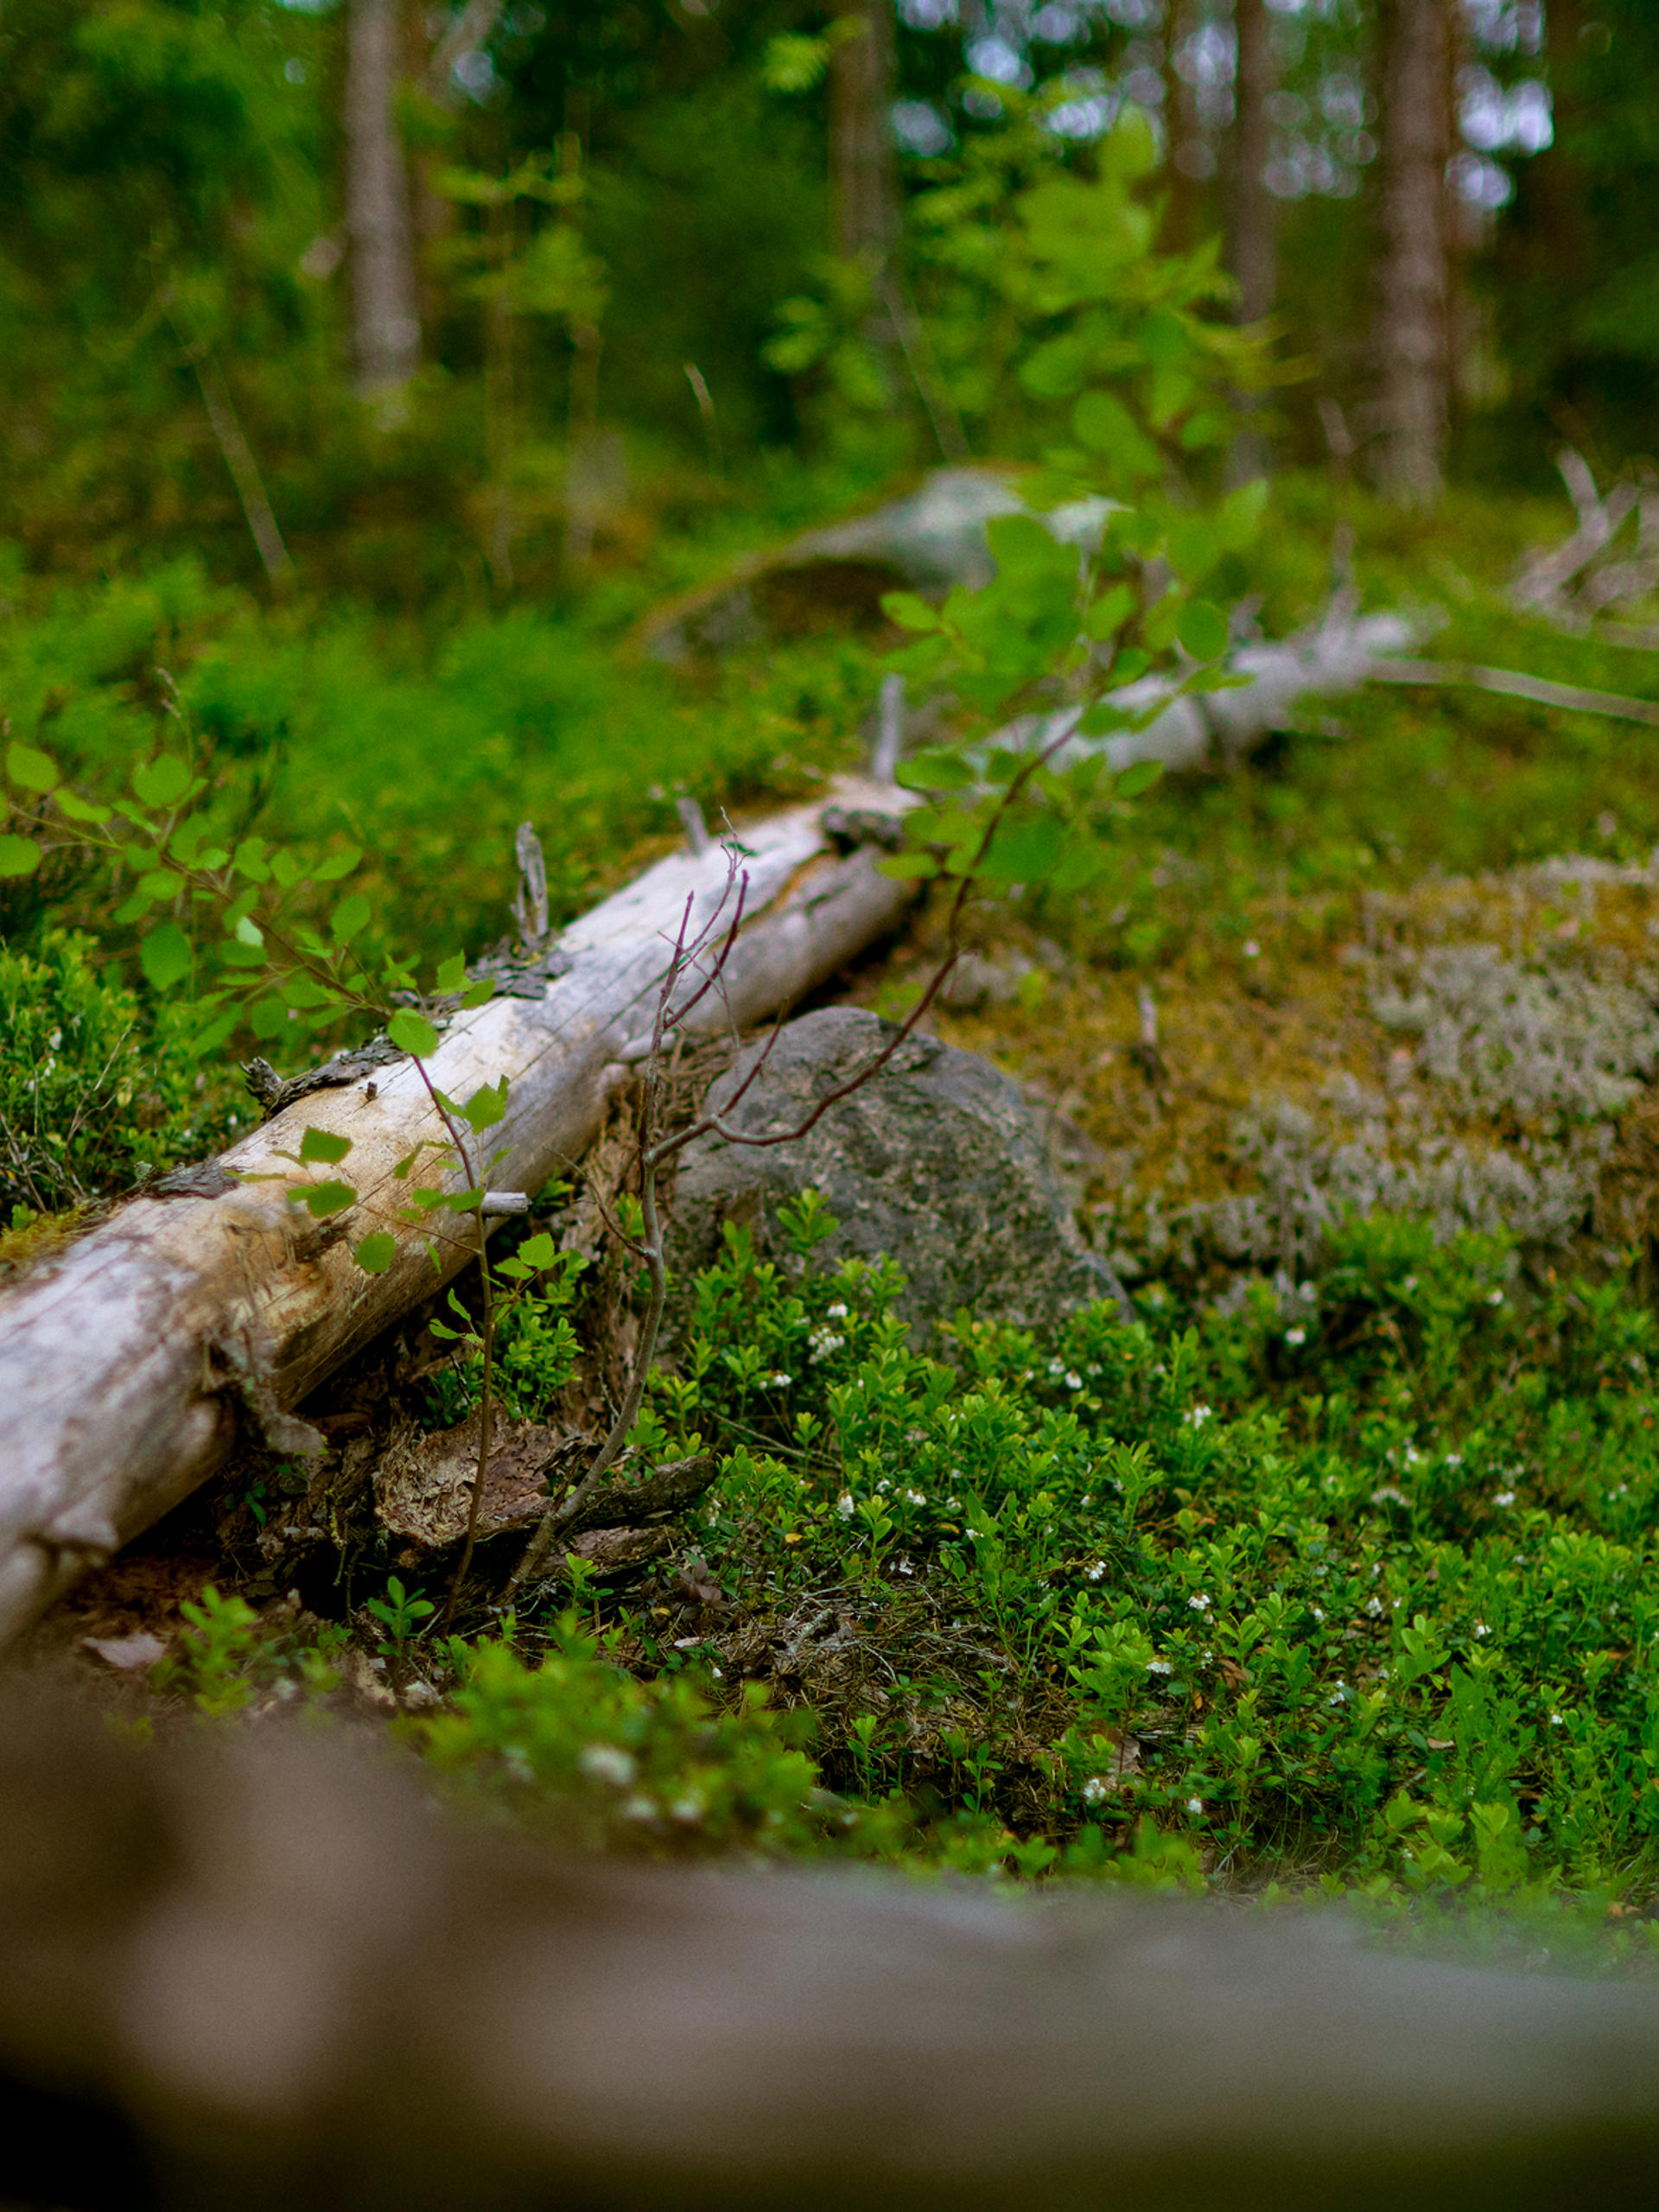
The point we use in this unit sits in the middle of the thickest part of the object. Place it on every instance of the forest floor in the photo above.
(1332, 1571)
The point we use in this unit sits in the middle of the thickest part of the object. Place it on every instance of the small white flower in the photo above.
(1205, 1657)
(1096, 1573)
(953, 1506)
(834, 1312)
(1073, 1380)
(884, 1486)
(718, 1673)
(1554, 1719)
(1195, 1805)
(1495, 1298)
(915, 1497)
(1374, 1607)
(1094, 1791)
(1296, 1336)
(1251, 949)
(1413, 1457)
(1454, 1458)
(1057, 1367)
(1481, 1629)
(688, 1810)
(640, 1808)
(844, 1505)
(1197, 1417)
(781, 1381)
(608, 1762)
(1504, 1497)
(1410, 1283)
(822, 1343)
(1160, 1667)
(905, 1568)
(1199, 1603)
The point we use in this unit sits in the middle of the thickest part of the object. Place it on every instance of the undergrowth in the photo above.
(1348, 1589)
(1340, 1581)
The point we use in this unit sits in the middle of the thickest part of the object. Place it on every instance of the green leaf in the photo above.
(268, 1018)
(324, 1145)
(1025, 852)
(81, 810)
(1194, 546)
(478, 994)
(165, 956)
(412, 1033)
(1239, 516)
(349, 917)
(1104, 424)
(376, 1254)
(452, 972)
(249, 859)
(249, 933)
(162, 781)
(909, 868)
(487, 1105)
(307, 991)
(287, 868)
(322, 1199)
(934, 769)
(1130, 666)
(538, 1251)
(216, 1032)
(35, 772)
(910, 611)
(336, 865)
(19, 856)
(1109, 612)
(1202, 630)
(1140, 777)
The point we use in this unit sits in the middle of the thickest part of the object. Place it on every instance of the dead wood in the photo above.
(131, 1359)
(262, 1973)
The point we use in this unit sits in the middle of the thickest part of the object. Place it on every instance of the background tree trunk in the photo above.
(386, 325)
(1413, 336)
(864, 169)
(1252, 211)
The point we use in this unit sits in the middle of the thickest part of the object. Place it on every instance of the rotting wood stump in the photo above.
(132, 1359)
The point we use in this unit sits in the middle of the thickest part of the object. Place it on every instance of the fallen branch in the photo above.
(131, 1360)
(1515, 686)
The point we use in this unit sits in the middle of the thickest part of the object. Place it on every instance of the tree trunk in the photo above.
(1414, 332)
(386, 327)
(1253, 213)
(128, 1362)
(863, 169)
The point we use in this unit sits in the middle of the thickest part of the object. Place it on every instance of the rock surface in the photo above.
(938, 1163)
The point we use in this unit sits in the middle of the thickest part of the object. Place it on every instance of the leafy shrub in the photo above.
(95, 1092)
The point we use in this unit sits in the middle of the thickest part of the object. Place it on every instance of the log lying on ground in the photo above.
(263, 1974)
(130, 1362)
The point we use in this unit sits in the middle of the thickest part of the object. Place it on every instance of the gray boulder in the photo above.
(938, 1163)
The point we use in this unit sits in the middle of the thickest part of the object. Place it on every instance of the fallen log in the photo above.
(257, 1972)
(131, 1360)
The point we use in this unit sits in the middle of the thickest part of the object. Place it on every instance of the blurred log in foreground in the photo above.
(262, 1973)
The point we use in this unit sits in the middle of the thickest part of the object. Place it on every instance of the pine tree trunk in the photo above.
(863, 171)
(1253, 213)
(386, 325)
(1413, 338)
(1253, 227)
